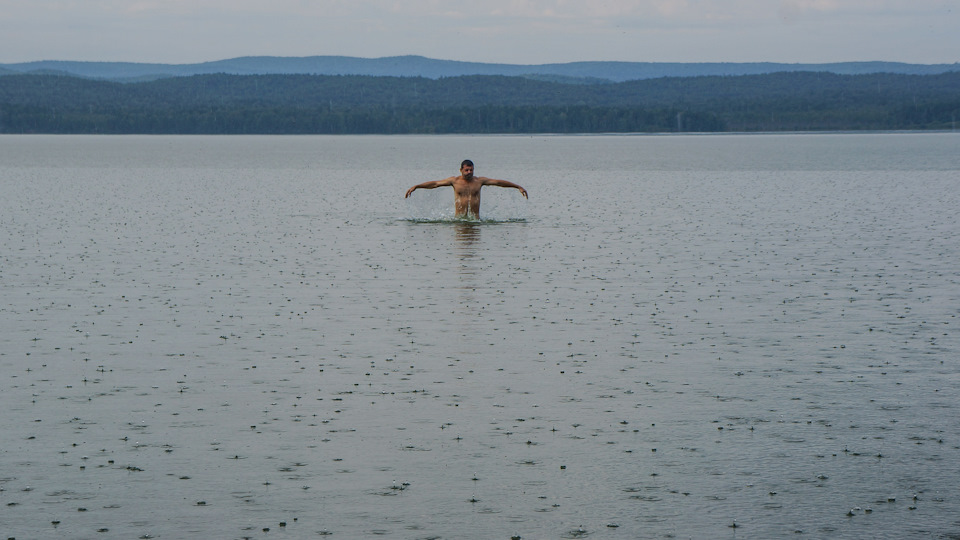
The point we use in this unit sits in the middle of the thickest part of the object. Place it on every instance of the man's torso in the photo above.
(467, 194)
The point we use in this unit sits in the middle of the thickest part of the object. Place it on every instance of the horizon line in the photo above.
(472, 61)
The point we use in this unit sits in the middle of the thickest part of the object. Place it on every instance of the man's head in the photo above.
(466, 168)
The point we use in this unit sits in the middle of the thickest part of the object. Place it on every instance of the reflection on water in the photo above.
(467, 234)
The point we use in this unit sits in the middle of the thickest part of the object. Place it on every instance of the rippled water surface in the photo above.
(676, 337)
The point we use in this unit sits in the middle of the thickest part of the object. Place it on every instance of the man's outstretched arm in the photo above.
(430, 185)
(504, 183)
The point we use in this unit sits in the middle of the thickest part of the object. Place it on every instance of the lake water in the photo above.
(675, 337)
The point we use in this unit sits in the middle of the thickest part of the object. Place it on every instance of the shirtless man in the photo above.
(466, 189)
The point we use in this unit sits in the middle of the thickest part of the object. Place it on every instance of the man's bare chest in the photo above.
(464, 187)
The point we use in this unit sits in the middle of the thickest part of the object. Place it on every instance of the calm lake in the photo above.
(735, 336)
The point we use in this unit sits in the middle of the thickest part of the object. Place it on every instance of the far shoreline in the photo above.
(518, 135)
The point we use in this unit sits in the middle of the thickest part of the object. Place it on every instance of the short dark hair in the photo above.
(466, 162)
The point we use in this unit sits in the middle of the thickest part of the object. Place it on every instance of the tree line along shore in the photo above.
(353, 104)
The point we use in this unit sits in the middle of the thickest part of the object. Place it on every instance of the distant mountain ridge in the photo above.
(418, 66)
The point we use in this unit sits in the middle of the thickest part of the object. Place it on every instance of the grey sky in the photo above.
(510, 31)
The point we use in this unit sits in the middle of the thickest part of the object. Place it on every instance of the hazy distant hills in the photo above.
(418, 66)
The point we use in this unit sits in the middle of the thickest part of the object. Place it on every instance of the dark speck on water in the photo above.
(773, 316)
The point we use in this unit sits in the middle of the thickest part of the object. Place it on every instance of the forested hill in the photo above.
(794, 101)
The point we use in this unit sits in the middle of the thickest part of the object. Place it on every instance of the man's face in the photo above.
(467, 171)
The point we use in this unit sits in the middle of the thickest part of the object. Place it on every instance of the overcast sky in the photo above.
(508, 31)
